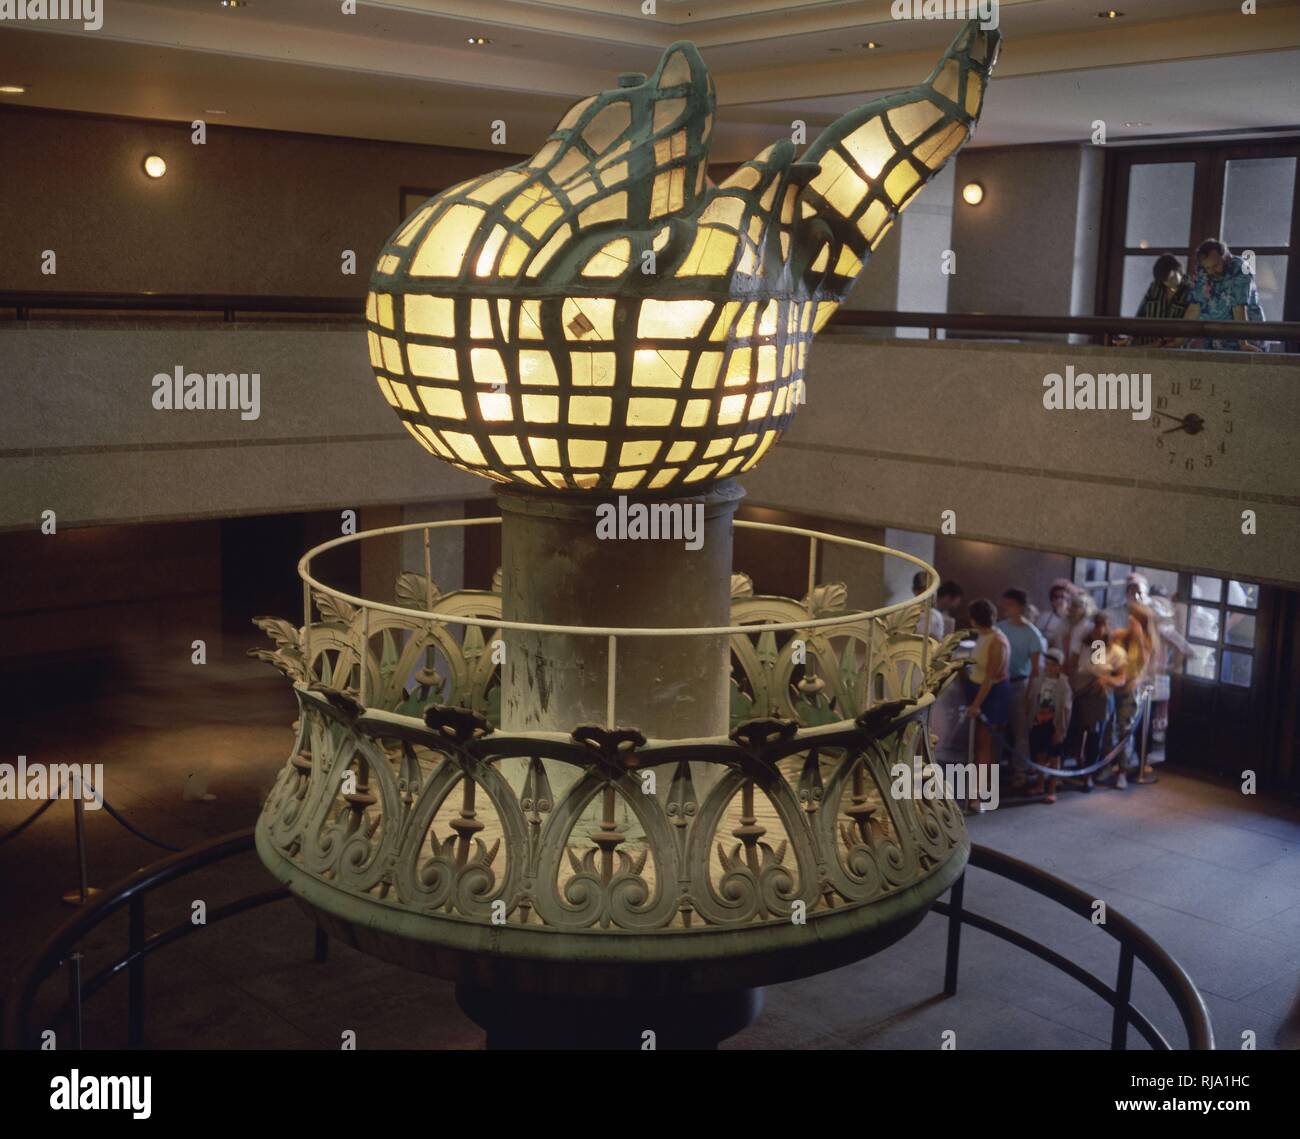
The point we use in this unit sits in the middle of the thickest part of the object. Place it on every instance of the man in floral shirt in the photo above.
(1222, 289)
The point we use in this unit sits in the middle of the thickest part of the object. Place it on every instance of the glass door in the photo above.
(1170, 199)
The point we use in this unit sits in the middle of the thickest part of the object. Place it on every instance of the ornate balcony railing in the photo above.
(406, 815)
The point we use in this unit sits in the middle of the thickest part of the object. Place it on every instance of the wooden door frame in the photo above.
(1207, 209)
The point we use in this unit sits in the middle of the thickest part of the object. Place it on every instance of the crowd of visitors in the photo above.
(1064, 684)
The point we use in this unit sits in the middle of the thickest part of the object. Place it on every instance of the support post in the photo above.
(306, 629)
(954, 936)
(74, 998)
(362, 694)
(1144, 772)
(428, 574)
(79, 896)
(1123, 994)
(812, 572)
(135, 974)
(611, 683)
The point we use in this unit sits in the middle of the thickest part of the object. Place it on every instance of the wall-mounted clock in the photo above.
(1192, 422)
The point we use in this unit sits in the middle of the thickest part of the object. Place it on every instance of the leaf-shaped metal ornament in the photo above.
(414, 590)
(334, 610)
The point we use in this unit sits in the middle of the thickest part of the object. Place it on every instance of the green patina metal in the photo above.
(603, 318)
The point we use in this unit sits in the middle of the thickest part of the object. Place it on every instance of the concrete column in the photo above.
(556, 570)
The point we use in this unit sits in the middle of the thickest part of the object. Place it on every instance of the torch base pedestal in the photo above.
(528, 1021)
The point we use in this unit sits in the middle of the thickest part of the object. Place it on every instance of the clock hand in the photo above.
(1171, 430)
(1166, 414)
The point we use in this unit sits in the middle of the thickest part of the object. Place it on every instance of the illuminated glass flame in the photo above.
(601, 317)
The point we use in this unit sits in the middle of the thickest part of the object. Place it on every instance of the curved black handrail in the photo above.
(228, 304)
(131, 893)
(1134, 944)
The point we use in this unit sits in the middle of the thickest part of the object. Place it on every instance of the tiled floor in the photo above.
(1213, 876)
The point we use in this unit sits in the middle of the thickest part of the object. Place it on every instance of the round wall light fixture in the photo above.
(154, 166)
(972, 193)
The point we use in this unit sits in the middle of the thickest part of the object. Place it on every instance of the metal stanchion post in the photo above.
(1144, 774)
(74, 998)
(79, 896)
(135, 974)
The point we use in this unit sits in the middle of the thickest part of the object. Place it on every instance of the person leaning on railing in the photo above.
(1223, 289)
(1167, 298)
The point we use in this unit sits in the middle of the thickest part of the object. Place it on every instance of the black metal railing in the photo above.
(60, 951)
(1134, 945)
(32, 305)
(1103, 328)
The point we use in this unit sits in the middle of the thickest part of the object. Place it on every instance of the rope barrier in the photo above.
(36, 814)
(134, 829)
(1107, 760)
(113, 812)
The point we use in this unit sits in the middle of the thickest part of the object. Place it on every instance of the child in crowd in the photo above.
(1049, 699)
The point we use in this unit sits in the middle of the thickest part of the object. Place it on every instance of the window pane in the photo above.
(1257, 194)
(1236, 669)
(1089, 569)
(1239, 629)
(1160, 206)
(1243, 594)
(1203, 623)
(1200, 662)
(1270, 279)
(1137, 279)
(1165, 579)
(1207, 588)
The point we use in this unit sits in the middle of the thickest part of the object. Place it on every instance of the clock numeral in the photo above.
(1190, 464)
(1175, 387)
(1160, 442)
(1209, 460)
(1223, 448)
(1227, 406)
(1214, 388)
(1227, 426)
(1195, 384)
(1161, 402)
(1172, 456)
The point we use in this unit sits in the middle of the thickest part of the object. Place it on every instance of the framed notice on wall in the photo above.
(411, 198)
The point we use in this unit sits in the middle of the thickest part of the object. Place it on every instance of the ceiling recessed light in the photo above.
(871, 45)
(478, 41)
(13, 89)
(234, 3)
(214, 111)
(1137, 123)
(154, 166)
(1109, 14)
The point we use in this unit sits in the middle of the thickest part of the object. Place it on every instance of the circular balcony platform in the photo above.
(601, 863)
